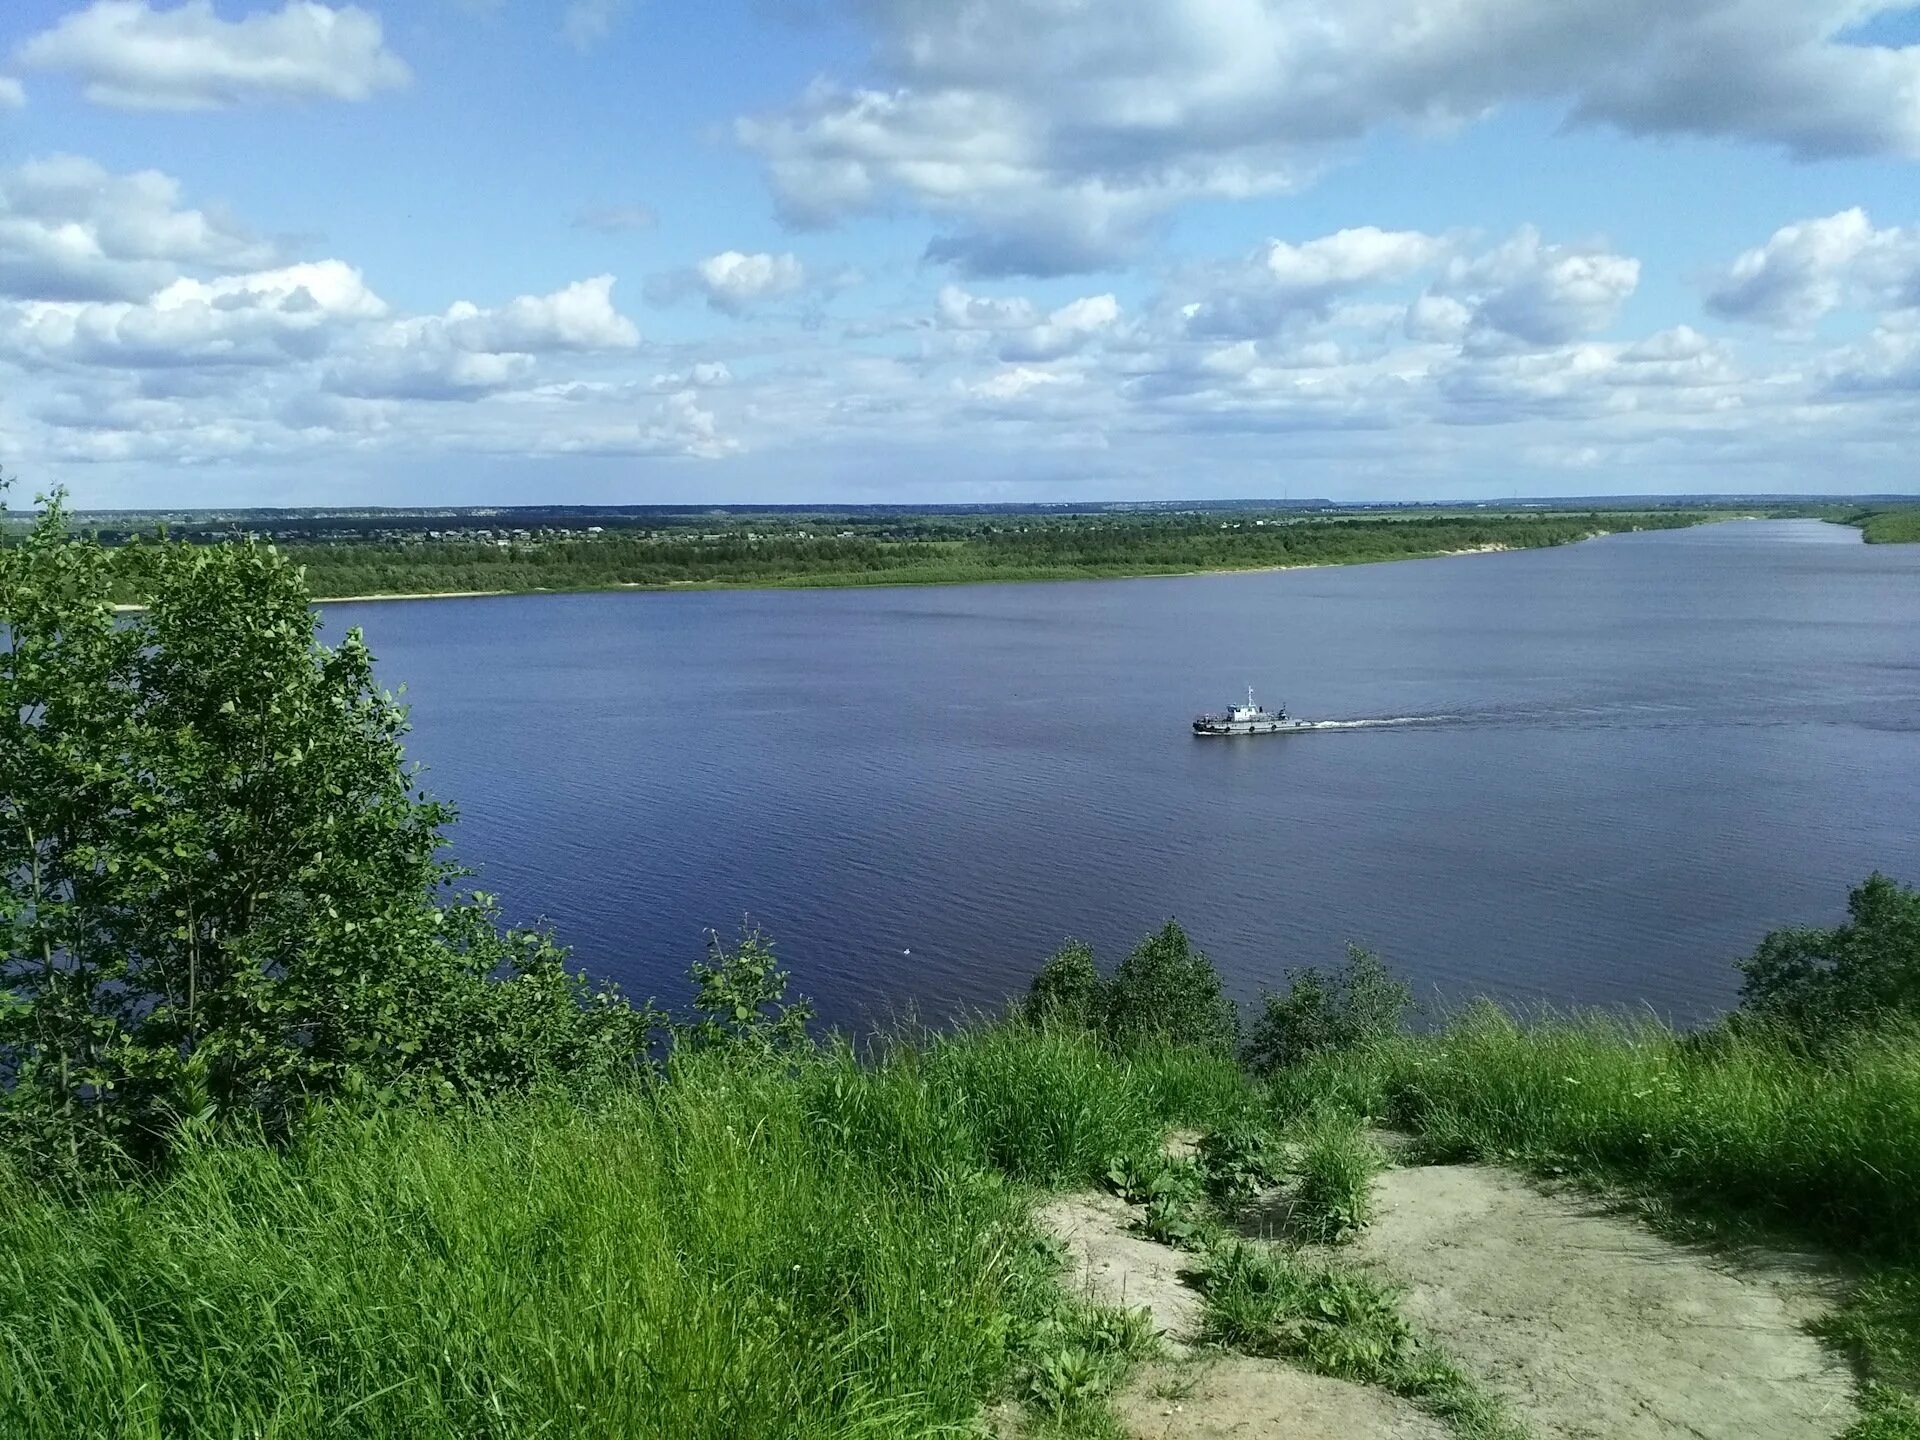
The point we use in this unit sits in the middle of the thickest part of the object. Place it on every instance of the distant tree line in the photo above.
(945, 552)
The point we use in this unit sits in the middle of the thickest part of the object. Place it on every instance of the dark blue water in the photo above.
(1629, 759)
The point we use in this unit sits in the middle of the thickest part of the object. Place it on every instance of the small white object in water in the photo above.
(906, 952)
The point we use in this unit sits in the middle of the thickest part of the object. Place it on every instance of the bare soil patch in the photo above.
(1113, 1266)
(1208, 1397)
(1592, 1327)
(1234, 1397)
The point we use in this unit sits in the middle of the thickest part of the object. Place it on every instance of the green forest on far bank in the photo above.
(298, 1140)
(776, 553)
(1889, 527)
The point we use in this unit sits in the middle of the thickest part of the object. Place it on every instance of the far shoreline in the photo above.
(903, 581)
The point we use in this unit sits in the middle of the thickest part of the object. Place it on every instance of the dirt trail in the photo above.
(1214, 1397)
(1113, 1266)
(1592, 1327)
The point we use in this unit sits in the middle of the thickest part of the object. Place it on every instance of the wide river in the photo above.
(1596, 775)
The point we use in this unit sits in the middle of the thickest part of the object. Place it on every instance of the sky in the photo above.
(285, 252)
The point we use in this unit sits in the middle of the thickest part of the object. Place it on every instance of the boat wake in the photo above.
(1381, 722)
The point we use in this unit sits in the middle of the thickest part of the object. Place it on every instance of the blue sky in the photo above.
(283, 251)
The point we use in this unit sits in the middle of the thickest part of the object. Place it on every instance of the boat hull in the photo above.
(1229, 728)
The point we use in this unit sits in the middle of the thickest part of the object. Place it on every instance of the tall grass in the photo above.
(1741, 1123)
(742, 1250)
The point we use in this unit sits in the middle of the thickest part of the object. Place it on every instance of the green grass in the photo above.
(839, 1245)
(1889, 527)
(1719, 1135)
(748, 1250)
(1338, 1163)
(1341, 1322)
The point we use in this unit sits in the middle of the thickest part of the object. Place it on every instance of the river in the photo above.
(1610, 767)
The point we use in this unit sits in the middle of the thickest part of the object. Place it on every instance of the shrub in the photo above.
(741, 997)
(1356, 1005)
(220, 892)
(1168, 992)
(1818, 984)
(1068, 990)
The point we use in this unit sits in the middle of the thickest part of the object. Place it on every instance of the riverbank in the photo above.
(907, 577)
(925, 550)
(1889, 527)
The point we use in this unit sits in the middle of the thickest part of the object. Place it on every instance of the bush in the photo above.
(1356, 1005)
(220, 892)
(741, 997)
(1167, 992)
(1819, 984)
(1068, 990)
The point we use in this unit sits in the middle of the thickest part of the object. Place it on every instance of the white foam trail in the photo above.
(1378, 723)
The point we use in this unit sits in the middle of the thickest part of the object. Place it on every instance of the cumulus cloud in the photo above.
(470, 352)
(1019, 331)
(1810, 268)
(1533, 293)
(13, 95)
(1053, 144)
(1282, 281)
(580, 317)
(264, 318)
(72, 230)
(127, 54)
(732, 282)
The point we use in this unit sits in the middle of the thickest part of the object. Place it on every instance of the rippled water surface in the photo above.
(1611, 768)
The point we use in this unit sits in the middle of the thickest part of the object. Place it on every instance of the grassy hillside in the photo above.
(821, 1247)
(745, 1248)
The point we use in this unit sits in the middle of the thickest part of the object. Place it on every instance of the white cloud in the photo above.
(266, 318)
(1810, 268)
(13, 95)
(1281, 281)
(1534, 293)
(1021, 332)
(1438, 319)
(127, 54)
(470, 352)
(1053, 144)
(732, 282)
(702, 375)
(1017, 381)
(960, 311)
(585, 23)
(71, 230)
(580, 317)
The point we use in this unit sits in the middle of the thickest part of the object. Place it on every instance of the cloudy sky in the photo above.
(398, 251)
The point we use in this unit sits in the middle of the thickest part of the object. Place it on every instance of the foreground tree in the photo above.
(223, 892)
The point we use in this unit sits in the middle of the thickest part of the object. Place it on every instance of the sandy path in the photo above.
(1217, 1396)
(1592, 1327)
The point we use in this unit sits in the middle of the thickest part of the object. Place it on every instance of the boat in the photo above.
(1247, 719)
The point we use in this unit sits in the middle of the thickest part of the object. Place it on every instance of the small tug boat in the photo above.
(1247, 719)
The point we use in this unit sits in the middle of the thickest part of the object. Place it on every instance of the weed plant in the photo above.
(1338, 1163)
(1340, 1322)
